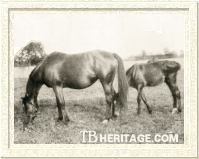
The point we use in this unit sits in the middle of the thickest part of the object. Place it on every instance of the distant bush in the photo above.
(31, 54)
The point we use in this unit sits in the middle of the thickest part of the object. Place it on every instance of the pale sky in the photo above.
(123, 32)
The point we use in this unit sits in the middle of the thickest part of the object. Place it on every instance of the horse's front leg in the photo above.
(171, 82)
(36, 92)
(176, 99)
(145, 102)
(35, 95)
(61, 104)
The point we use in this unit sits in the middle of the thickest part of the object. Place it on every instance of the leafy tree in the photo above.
(31, 54)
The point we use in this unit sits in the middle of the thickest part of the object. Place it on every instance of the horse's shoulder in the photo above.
(36, 71)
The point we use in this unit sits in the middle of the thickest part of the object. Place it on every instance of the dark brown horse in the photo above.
(152, 74)
(77, 71)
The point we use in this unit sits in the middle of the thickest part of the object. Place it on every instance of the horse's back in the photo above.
(152, 73)
(148, 74)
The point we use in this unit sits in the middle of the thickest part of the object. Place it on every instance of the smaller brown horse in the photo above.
(152, 74)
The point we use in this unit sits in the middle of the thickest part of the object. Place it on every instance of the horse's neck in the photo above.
(30, 89)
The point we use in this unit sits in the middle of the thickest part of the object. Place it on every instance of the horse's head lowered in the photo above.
(29, 109)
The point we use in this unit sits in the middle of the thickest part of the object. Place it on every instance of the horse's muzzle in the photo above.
(29, 119)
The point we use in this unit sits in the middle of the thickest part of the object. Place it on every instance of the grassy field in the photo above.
(87, 109)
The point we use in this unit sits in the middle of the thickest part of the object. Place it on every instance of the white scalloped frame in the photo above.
(188, 149)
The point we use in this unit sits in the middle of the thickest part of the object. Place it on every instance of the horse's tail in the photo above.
(122, 82)
(171, 66)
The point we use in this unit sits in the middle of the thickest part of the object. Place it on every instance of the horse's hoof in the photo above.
(150, 111)
(105, 121)
(27, 129)
(33, 118)
(66, 119)
(174, 111)
(116, 114)
(113, 118)
(66, 122)
(138, 111)
(59, 119)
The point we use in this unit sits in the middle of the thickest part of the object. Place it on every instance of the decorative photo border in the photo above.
(188, 149)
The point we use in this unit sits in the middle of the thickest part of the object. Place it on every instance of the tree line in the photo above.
(33, 53)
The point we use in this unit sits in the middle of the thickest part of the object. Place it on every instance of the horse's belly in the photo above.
(79, 83)
(154, 81)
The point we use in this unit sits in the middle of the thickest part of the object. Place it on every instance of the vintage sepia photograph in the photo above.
(79, 70)
(117, 79)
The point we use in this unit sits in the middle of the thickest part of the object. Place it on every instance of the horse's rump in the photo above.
(135, 75)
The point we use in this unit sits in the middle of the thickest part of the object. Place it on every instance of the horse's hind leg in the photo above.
(60, 103)
(139, 89)
(171, 82)
(145, 102)
(114, 94)
(109, 99)
(141, 96)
